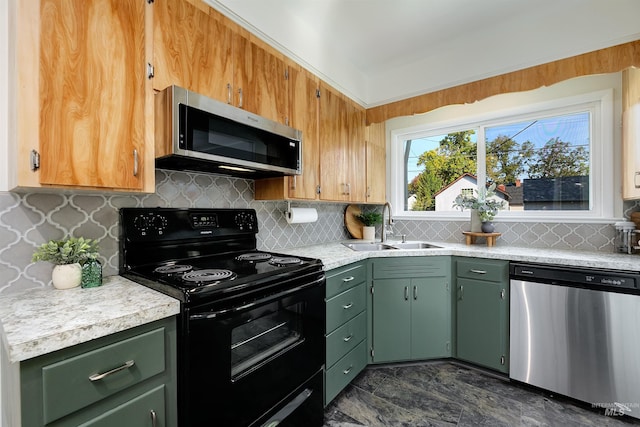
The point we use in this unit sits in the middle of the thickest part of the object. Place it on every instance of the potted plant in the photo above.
(67, 256)
(482, 205)
(369, 221)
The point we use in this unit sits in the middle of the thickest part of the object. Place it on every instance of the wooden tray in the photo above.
(354, 226)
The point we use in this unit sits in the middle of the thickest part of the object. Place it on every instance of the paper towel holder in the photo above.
(300, 215)
(287, 213)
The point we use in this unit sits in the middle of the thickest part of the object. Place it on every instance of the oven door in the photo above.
(246, 360)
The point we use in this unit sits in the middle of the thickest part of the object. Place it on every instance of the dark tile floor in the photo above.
(447, 394)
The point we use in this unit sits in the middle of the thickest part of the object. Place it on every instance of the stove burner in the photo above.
(253, 257)
(207, 275)
(283, 261)
(173, 268)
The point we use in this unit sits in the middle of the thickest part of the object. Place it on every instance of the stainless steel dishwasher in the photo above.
(576, 332)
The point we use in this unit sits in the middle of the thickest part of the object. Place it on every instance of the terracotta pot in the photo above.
(66, 276)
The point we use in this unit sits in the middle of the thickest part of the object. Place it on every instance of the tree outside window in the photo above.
(538, 164)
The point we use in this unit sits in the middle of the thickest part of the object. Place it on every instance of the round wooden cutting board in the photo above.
(353, 224)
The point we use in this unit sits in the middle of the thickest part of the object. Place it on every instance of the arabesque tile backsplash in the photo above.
(30, 219)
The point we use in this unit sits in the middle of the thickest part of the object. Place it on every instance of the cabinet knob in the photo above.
(348, 306)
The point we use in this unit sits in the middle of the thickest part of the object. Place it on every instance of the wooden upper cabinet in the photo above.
(304, 106)
(91, 99)
(342, 147)
(631, 134)
(260, 80)
(192, 49)
(376, 163)
(356, 152)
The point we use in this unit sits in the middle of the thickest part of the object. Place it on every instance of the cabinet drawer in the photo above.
(343, 278)
(345, 338)
(483, 269)
(344, 371)
(140, 411)
(345, 306)
(407, 267)
(67, 385)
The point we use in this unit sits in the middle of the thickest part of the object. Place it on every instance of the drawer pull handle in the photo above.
(348, 306)
(473, 270)
(347, 339)
(348, 279)
(346, 371)
(154, 418)
(98, 377)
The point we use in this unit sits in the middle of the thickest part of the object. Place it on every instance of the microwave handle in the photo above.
(268, 299)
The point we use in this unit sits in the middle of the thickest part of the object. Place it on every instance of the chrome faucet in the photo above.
(386, 226)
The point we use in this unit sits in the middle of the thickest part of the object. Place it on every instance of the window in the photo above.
(547, 160)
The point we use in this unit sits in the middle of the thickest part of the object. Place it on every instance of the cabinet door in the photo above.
(260, 82)
(376, 163)
(481, 323)
(356, 153)
(92, 93)
(430, 318)
(392, 320)
(334, 174)
(304, 108)
(144, 410)
(192, 49)
(631, 134)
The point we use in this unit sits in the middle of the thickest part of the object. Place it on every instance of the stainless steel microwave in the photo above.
(197, 133)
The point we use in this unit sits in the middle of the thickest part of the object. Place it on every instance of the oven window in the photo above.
(265, 336)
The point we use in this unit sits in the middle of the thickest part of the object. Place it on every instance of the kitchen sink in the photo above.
(414, 245)
(368, 246)
(378, 246)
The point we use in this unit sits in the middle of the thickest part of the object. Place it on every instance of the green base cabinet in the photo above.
(482, 317)
(126, 379)
(410, 309)
(346, 327)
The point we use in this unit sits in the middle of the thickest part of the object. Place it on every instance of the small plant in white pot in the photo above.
(67, 255)
(369, 221)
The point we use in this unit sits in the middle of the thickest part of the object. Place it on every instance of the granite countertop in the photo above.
(334, 255)
(40, 321)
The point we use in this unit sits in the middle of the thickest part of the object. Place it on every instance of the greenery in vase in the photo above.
(67, 251)
(370, 218)
(487, 208)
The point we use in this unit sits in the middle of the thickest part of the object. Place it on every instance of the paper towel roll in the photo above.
(301, 215)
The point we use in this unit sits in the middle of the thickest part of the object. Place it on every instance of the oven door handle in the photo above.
(270, 298)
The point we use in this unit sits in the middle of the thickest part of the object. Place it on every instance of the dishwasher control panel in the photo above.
(571, 276)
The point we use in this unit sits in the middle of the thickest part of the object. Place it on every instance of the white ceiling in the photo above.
(378, 51)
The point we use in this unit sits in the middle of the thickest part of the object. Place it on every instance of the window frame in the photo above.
(600, 105)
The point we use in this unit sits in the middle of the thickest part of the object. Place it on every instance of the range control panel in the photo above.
(164, 224)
